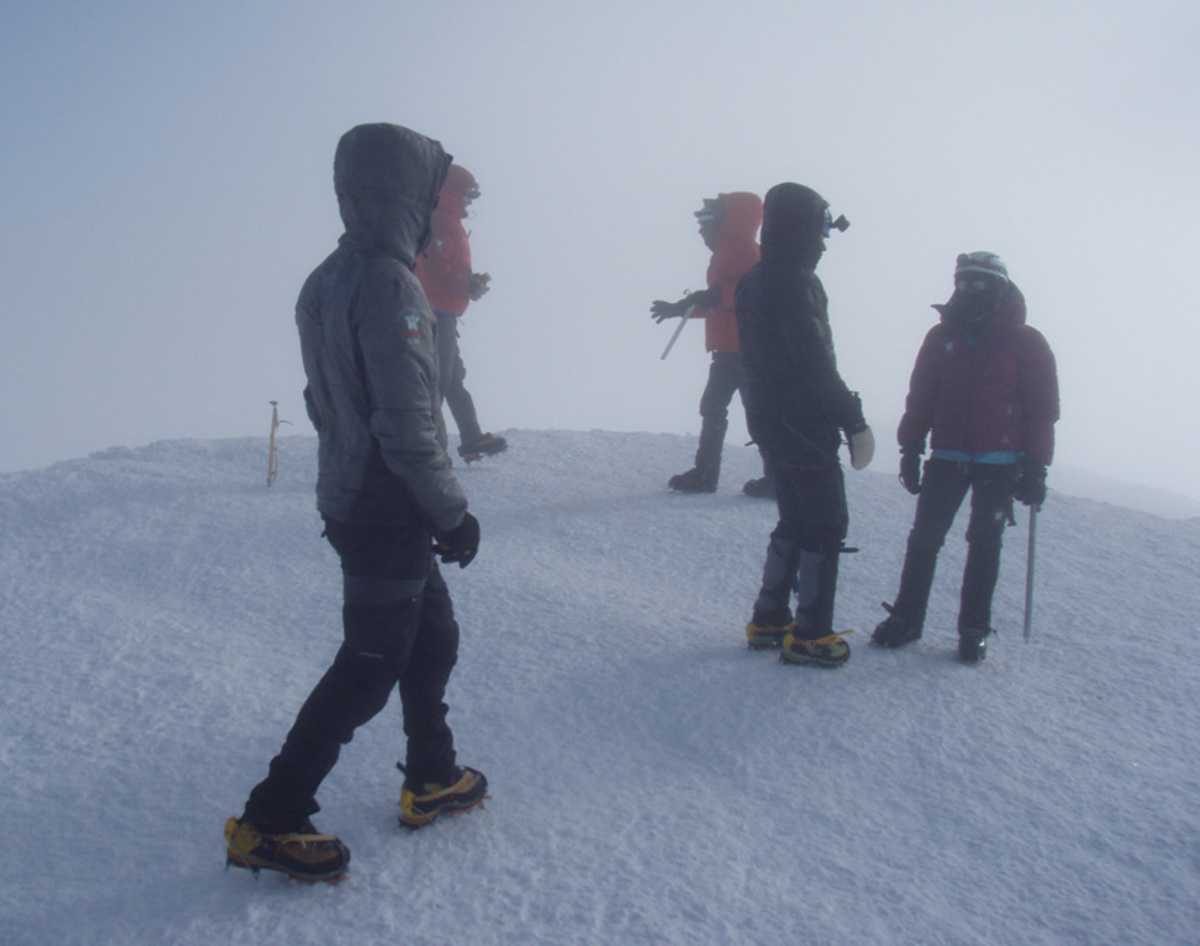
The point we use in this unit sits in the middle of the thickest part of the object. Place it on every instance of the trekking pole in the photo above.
(687, 314)
(1029, 560)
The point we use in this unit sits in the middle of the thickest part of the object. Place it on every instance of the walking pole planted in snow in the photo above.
(1029, 560)
(272, 451)
(682, 322)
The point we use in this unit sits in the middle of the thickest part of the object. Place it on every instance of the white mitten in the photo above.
(862, 449)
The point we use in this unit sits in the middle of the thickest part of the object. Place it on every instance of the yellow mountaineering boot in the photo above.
(421, 803)
(828, 651)
(305, 854)
(766, 629)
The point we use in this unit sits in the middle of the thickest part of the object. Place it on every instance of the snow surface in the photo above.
(163, 614)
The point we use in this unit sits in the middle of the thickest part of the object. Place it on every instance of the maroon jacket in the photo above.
(982, 389)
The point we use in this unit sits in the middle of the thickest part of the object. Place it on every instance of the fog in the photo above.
(167, 171)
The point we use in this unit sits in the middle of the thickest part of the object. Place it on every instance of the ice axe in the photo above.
(1029, 560)
(687, 314)
(272, 446)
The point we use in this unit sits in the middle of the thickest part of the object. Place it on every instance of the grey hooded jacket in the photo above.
(366, 335)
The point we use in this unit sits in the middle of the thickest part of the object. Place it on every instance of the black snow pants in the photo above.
(452, 374)
(943, 488)
(399, 629)
(726, 377)
(805, 545)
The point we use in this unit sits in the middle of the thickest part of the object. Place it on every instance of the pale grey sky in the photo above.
(167, 174)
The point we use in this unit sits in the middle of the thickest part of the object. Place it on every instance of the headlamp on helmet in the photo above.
(828, 224)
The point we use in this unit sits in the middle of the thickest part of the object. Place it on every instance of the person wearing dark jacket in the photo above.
(798, 407)
(728, 226)
(451, 285)
(389, 501)
(985, 387)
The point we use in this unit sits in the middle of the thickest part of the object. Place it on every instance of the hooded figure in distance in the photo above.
(798, 408)
(728, 226)
(450, 284)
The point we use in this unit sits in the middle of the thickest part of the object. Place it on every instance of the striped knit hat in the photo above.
(981, 261)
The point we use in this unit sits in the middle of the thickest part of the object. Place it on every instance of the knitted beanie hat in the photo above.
(981, 261)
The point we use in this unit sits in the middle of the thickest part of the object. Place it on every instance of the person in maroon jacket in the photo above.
(985, 385)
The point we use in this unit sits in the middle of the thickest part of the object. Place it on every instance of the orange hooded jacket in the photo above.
(445, 267)
(735, 254)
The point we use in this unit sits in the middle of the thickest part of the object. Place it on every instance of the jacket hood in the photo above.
(741, 214)
(1010, 311)
(387, 179)
(793, 224)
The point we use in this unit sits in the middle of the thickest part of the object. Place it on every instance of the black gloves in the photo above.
(910, 467)
(460, 544)
(478, 285)
(1030, 487)
(661, 310)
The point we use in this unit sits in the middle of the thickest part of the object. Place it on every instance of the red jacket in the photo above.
(445, 267)
(734, 256)
(986, 389)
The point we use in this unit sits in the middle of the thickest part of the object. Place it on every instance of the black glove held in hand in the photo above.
(910, 470)
(460, 544)
(1030, 487)
(661, 310)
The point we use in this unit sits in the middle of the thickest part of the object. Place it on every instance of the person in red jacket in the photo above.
(986, 387)
(444, 270)
(728, 226)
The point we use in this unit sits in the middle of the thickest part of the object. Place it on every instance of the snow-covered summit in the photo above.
(163, 613)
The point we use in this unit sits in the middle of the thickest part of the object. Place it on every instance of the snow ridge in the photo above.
(163, 614)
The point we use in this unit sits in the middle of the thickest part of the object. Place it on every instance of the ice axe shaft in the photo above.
(273, 444)
(1030, 558)
(675, 335)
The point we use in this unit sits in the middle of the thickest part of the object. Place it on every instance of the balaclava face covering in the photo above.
(980, 286)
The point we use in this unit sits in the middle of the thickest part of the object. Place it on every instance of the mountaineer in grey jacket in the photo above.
(366, 335)
(389, 499)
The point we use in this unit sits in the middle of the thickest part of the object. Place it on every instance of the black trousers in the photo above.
(726, 377)
(943, 488)
(399, 630)
(452, 375)
(802, 555)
